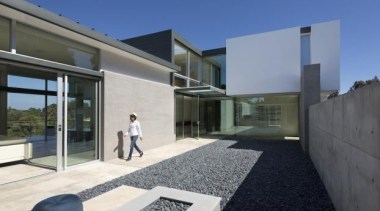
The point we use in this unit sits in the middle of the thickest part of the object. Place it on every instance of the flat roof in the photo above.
(68, 24)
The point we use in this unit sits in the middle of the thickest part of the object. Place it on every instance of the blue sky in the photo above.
(208, 23)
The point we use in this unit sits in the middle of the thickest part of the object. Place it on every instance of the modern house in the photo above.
(250, 87)
(66, 90)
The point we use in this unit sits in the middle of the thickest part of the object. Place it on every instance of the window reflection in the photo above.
(195, 66)
(271, 117)
(180, 58)
(207, 69)
(26, 82)
(44, 45)
(4, 34)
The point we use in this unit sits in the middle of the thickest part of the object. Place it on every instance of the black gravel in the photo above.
(163, 204)
(246, 174)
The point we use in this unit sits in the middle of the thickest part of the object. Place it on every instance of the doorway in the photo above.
(47, 118)
(187, 116)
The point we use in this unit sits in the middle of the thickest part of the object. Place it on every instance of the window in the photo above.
(40, 44)
(4, 34)
(180, 58)
(207, 69)
(195, 66)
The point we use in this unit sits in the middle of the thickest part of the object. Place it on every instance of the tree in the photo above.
(332, 95)
(360, 84)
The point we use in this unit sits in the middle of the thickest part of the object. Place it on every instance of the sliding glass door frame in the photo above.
(62, 73)
(62, 119)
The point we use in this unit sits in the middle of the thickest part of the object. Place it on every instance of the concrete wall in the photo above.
(345, 147)
(310, 95)
(154, 104)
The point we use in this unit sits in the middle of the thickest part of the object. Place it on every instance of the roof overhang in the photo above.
(202, 91)
(55, 19)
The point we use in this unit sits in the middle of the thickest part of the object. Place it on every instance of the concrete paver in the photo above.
(113, 199)
(23, 195)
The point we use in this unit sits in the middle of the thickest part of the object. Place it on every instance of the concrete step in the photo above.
(113, 199)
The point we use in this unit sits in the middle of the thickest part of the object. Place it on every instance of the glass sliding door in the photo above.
(51, 117)
(81, 120)
(28, 114)
(187, 116)
(179, 116)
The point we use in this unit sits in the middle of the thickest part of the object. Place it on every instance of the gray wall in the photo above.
(159, 44)
(310, 95)
(154, 104)
(345, 147)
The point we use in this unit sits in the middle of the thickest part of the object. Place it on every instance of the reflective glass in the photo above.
(40, 44)
(180, 58)
(216, 76)
(207, 69)
(180, 82)
(81, 121)
(195, 66)
(269, 117)
(179, 116)
(4, 34)
(26, 82)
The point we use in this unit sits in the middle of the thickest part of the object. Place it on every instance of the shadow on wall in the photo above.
(283, 178)
(120, 144)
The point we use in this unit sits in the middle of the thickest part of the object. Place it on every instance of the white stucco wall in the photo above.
(271, 62)
(264, 63)
(325, 50)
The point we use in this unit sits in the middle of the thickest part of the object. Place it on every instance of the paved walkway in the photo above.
(23, 195)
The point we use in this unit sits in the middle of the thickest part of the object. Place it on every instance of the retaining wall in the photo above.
(345, 147)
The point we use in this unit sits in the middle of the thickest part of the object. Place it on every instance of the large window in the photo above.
(28, 113)
(273, 117)
(191, 65)
(212, 70)
(195, 66)
(4, 34)
(40, 44)
(180, 58)
(207, 70)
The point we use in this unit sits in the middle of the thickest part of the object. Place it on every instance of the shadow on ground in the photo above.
(247, 175)
(283, 178)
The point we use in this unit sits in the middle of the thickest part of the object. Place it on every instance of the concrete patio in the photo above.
(24, 194)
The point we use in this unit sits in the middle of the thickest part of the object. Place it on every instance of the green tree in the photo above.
(360, 84)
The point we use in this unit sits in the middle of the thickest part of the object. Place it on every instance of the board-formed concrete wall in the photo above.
(154, 104)
(345, 147)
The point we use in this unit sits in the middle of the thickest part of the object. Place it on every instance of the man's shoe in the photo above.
(141, 154)
(128, 159)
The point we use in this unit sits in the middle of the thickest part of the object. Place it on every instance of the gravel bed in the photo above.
(163, 204)
(246, 174)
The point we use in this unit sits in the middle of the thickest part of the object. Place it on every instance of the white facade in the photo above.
(325, 48)
(270, 63)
